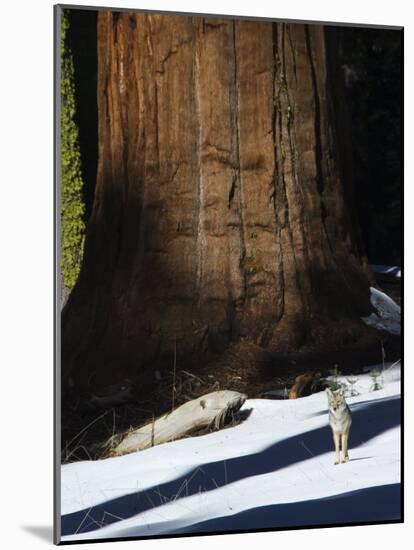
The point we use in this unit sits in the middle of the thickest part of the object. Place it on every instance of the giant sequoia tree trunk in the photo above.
(222, 209)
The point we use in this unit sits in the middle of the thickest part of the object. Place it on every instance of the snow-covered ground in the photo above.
(275, 469)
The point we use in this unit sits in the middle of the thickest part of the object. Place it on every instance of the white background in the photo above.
(26, 273)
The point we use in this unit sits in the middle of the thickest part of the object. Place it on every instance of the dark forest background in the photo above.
(371, 61)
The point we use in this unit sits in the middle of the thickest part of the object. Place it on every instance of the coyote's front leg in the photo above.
(344, 445)
(337, 441)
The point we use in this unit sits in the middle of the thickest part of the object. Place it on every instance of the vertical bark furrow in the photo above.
(199, 200)
(256, 159)
(297, 195)
(234, 97)
(275, 197)
(325, 165)
(317, 119)
(294, 268)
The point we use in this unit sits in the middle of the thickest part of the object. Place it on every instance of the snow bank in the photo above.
(273, 470)
(388, 313)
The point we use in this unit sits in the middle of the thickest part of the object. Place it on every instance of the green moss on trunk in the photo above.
(72, 202)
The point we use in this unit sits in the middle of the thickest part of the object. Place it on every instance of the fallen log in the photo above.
(210, 410)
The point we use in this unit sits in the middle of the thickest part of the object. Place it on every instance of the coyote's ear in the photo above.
(329, 392)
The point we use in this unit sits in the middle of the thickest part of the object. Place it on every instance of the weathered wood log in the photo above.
(305, 384)
(211, 409)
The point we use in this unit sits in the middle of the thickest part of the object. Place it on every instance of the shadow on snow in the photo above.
(360, 506)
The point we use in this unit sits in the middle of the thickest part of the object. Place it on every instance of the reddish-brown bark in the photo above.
(223, 206)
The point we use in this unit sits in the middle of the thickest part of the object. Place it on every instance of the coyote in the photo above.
(340, 420)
